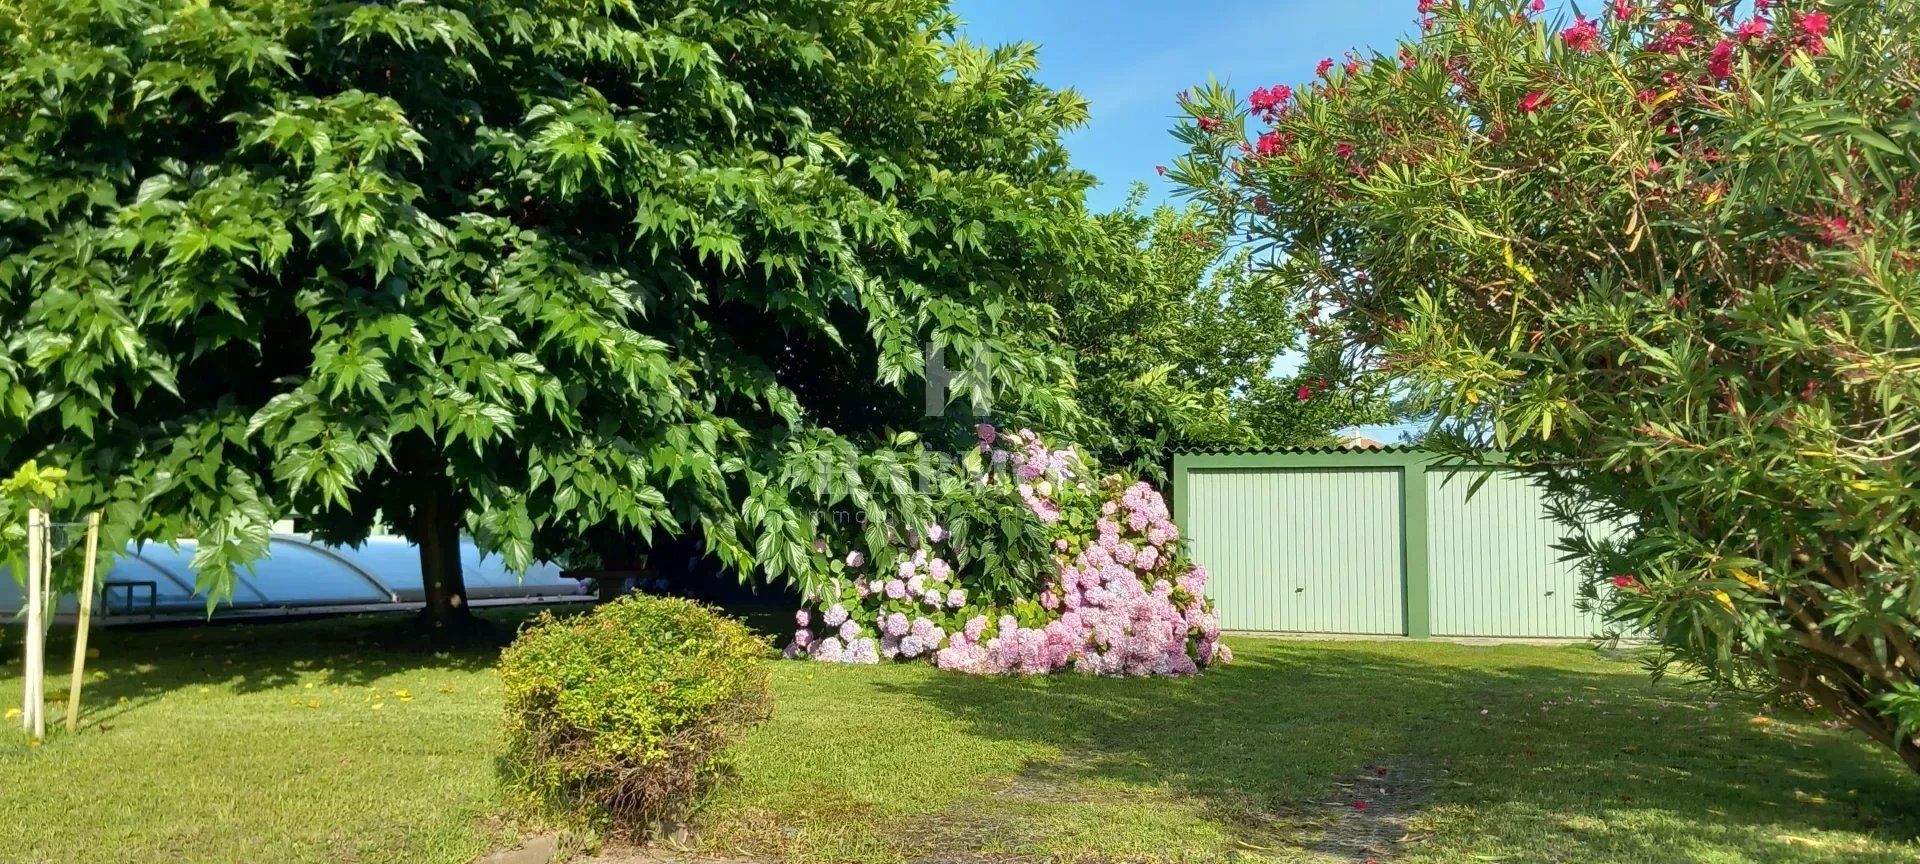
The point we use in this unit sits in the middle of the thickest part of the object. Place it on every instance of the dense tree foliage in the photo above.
(1665, 257)
(550, 272)
(1180, 340)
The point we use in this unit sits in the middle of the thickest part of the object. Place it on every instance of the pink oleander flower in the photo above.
(1678, 37)
(1813, 25)
(1325, 66)
(1535, 101)
(1270, 100)
(1720, 64)
(1583, 36)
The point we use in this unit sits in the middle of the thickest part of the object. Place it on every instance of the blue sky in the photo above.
(1130, 56)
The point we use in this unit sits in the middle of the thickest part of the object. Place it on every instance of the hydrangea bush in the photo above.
(1115, 597)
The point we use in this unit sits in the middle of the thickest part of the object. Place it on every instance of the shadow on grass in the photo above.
(136, 665)
(1576, 763)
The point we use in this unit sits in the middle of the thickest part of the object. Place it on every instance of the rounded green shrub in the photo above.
(622, 716)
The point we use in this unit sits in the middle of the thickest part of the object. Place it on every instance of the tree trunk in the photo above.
(1910, 752)
(436, 530)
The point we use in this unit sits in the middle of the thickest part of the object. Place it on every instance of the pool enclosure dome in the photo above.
(155, 581)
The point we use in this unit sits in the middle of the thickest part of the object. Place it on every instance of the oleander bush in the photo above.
(1666, 256)
(623, 716)
(1040, 565)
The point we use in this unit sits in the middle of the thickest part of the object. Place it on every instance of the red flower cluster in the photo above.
(1814, 25)
(1209, 124)
(1325, 66)
(1720, 65)
(1679, 37)
(1622, 9)
(1271, 101)
(1535, 101)
(1811, 32)
(1754, 28)
(1627, 582)
(1272, 144)
(1583, 36)
(1834, 230)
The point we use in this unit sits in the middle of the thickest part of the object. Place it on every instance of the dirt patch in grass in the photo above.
(1366, 820)
(990, 830)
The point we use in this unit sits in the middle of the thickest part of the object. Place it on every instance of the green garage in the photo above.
(1375, 541)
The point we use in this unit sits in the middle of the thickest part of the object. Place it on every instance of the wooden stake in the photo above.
(31, 702)
(49, 607)
(86, 619)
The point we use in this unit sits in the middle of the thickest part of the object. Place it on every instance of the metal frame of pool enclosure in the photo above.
(1374, 541)
(154, 582)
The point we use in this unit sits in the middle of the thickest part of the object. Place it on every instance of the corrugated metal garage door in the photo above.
(1494, 569)
(1301, 550)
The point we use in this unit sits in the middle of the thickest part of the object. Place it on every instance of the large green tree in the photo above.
(1180, 339)
(1665, 257)
(543, 272)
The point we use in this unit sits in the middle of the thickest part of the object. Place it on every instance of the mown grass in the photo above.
(250, 743)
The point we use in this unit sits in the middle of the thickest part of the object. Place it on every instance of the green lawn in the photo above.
(341, 741)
